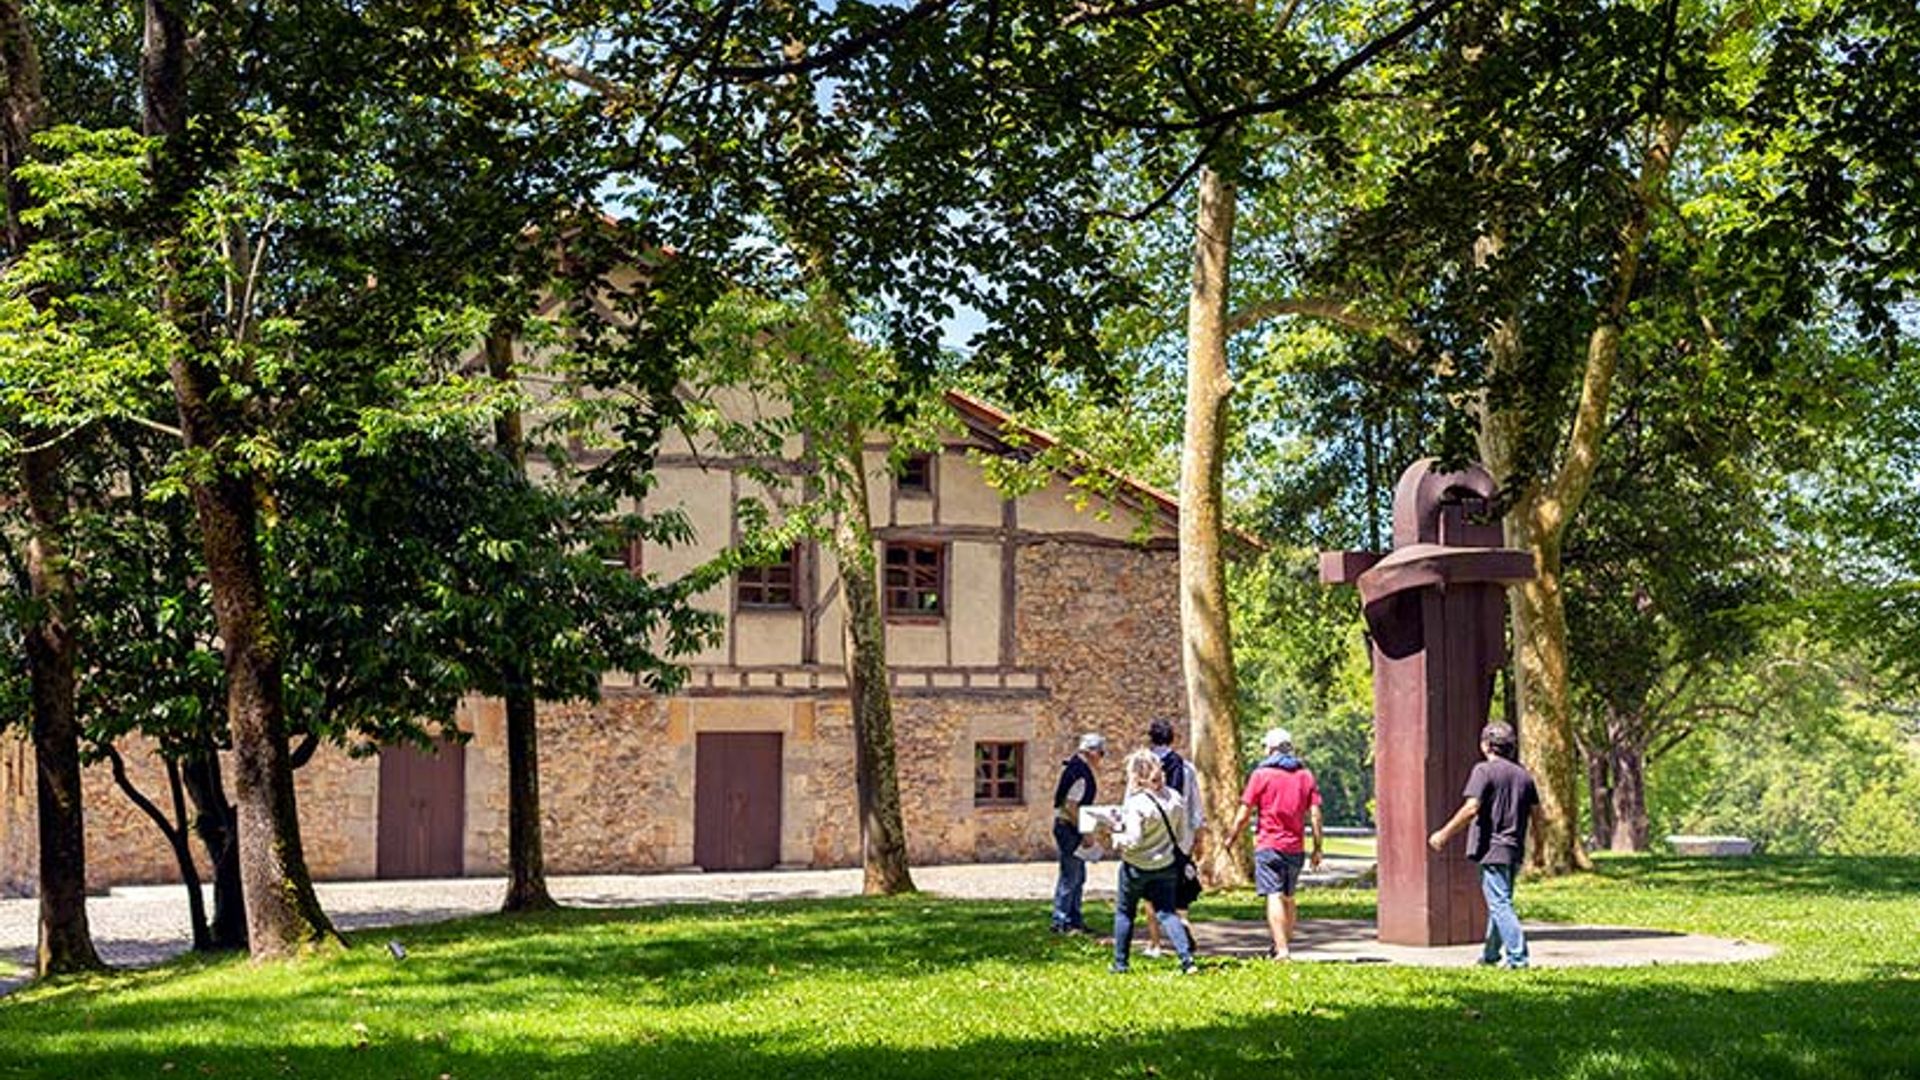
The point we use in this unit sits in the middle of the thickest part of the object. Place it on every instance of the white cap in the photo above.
(1277, 738)
(1093, 741)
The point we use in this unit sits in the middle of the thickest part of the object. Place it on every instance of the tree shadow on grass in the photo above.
(711, 990)
(1243, 1022)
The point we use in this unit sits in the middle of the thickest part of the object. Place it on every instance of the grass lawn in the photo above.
(934, 988)
(1353, 847)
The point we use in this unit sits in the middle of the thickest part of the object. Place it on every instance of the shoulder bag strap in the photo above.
(1172, 837)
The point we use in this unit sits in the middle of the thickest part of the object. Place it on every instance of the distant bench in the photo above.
(1715, 846)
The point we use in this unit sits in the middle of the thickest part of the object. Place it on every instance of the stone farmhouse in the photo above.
(1012, 625)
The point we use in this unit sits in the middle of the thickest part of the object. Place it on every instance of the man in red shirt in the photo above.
(1283, 791)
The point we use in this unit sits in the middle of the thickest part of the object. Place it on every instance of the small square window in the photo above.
(916, 475)
(915, 580)
(626, 556)
(774, 585)
(999, 773)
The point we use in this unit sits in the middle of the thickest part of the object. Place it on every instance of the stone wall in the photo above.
(337, 796)
(611, 788)
(19, 847)
(339, 801)
(1103, 622)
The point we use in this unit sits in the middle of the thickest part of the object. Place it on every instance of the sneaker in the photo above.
(1151, 950)
(1513, 965)
(1188, 967)
(1118, 969)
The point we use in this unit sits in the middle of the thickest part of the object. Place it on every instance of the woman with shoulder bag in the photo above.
(1150, 833)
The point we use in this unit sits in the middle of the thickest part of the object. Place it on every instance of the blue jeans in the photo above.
(1158, 888)
(1503, 926)
(1073, 879)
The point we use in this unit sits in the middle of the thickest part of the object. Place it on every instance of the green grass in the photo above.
(930, 988)
(1353, 847)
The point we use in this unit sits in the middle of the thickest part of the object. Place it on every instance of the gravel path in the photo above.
(145, 925)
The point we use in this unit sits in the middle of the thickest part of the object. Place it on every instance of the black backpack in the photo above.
(1174, 767)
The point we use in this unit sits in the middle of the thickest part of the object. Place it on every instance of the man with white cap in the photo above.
(1076, 788)
(1287, 798)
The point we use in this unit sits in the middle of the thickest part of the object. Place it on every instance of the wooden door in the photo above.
(736, 801)
(423, 812)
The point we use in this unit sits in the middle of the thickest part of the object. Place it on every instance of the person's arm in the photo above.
(1454, 824)
(1071, 804)
(1239, 827)
(1127, 825)
(1318, 837)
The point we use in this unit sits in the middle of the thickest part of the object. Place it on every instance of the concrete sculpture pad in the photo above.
(1550, 945)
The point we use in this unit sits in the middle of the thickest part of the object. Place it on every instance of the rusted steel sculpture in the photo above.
(1436, 610)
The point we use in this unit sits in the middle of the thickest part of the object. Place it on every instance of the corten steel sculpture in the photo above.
(1436, 610)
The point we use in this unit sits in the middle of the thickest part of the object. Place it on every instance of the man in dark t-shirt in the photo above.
(1501, 801)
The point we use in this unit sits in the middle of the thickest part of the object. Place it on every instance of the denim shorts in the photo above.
(1277, 871)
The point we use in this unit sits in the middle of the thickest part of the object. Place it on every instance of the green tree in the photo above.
(65, 944)
(1809, 767)
(304, 308)
(832, 392)
(1511, 251)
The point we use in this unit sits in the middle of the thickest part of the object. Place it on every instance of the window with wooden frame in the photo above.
(916, 475)
(626, 555)
(773, 586)
(915, 576)
(999, 773)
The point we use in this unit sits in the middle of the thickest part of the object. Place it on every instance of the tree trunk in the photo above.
(21, 106)
(174, 829)
(1545, 700)
(214, 822)
(1206, 635)
(1539, 519)
(283, 914)
(1599, 795)
(1629, 798)
(526, 859)
(883, 832)
(65, 944)
(182, 846)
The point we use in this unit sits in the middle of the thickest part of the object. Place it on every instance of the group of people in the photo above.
(1158, 826)
(1157, 830)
